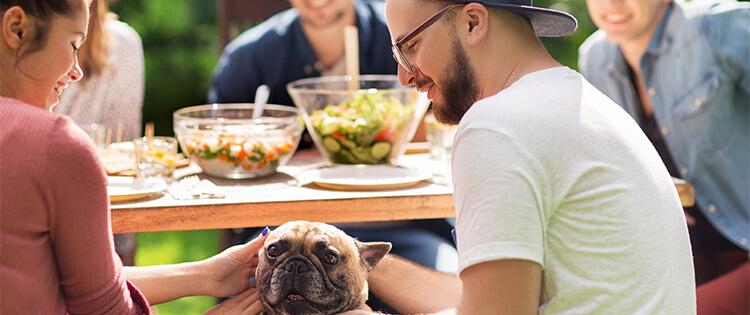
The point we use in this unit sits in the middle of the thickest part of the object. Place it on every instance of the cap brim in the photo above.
(546, 22)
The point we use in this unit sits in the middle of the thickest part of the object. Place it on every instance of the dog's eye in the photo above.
(273, 251)
(330, 259)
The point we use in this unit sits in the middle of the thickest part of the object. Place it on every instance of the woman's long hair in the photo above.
(94, 53)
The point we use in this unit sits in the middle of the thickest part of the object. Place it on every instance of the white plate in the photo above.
(125, 188)
(367, 177)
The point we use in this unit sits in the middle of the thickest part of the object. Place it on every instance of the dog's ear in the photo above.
(372, 252)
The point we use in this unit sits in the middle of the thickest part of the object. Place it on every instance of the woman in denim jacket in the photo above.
(683, 72)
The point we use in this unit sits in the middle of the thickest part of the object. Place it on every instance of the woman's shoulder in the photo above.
(123, 38)
(43, 135)
(17, 113)
(70, 152)
(119, 29)
(126, 49)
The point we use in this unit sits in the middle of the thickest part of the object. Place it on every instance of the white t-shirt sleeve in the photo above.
(499, 198)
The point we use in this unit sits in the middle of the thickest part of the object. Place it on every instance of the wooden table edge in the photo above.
(224, 216)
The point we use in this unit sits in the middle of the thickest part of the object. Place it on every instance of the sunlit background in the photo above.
(181, 43)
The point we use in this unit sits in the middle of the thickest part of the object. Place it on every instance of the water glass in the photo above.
(440, 137)
(155, 156)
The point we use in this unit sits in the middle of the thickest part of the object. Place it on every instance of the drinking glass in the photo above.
(155, 156)
(440, 138)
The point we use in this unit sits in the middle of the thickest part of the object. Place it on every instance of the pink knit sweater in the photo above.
(56, 248)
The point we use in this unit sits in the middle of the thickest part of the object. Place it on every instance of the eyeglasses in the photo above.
(398, 54)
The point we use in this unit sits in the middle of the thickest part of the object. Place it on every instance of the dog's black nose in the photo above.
(296, 266)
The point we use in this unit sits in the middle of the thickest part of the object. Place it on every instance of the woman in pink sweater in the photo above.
(56, 249)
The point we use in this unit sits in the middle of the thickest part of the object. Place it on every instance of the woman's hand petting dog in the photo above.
(247, 303)
(227, 273)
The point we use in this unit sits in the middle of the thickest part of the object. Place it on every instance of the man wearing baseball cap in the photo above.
(563, 206)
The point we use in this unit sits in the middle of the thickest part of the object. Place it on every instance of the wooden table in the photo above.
(272, 201)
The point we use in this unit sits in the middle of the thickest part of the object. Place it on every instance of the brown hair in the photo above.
(95, 50)
(43, 10)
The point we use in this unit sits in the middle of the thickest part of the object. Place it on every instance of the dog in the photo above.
(315, 268)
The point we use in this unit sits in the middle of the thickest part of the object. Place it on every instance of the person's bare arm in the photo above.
(501, 287)
(410, 288)
(164, 283)
(222, 275)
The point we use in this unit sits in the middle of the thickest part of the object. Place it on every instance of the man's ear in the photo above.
(14, 27)
(476, 20)
(372, 252)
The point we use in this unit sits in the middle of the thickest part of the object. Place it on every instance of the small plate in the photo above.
(125, 188)
(366, 177)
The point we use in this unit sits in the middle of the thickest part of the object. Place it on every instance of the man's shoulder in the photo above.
(723, 24)
(718, 17)
(596, 42)
(522, 102)
(274, 32)
(594, 53)
(713, 9)
(377, 7)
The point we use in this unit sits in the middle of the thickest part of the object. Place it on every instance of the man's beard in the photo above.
(460, 90)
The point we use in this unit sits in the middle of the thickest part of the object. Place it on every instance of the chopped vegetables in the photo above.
(362, 130)
(249, 154)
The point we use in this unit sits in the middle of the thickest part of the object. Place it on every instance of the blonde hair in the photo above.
(94, 52)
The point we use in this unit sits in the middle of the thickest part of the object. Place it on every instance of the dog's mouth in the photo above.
(295, 298)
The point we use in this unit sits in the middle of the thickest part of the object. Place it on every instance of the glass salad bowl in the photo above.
(225, 141)
(369, 125)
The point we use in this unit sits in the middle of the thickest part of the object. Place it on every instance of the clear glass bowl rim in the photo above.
(298, 86)
(179, 115)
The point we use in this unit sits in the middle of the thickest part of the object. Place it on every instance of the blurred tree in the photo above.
(180, 43)
(565, 49)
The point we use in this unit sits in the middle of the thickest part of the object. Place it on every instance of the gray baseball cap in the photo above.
(546, 22)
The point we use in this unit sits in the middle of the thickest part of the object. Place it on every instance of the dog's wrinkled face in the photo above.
(314, 268)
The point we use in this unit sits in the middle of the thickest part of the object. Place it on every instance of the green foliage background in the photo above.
(180, 39)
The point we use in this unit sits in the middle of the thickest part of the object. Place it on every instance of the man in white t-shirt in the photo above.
(563, 206)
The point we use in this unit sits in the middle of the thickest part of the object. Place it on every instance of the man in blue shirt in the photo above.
(307, 41)
(300, 43)
(683, 72)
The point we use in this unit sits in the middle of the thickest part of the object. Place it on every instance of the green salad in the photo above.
(362, 130)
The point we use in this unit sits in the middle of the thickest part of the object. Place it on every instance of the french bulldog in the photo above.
(315, 268)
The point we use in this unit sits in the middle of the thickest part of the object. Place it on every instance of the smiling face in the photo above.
(322, 13)
(314, 268)
(627, 20)
(439, 61)
(40, 76)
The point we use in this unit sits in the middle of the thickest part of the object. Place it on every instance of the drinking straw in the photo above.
(108, 137)
(149, 132)
(118, 133)
(351, 48)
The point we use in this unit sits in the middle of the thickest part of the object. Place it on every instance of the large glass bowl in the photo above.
(225, 141)
(369, 125)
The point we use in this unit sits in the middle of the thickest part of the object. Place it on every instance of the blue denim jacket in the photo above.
(277, 52)
(697, 70)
